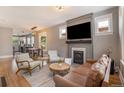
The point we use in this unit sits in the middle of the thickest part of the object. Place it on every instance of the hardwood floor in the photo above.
(13, 80)
(114, 80)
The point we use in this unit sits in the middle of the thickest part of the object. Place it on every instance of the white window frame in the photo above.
(61, 35)
(103, 18)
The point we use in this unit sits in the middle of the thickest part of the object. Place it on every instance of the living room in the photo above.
(100, 38)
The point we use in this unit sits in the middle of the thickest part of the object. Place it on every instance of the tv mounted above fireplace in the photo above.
(80, 31)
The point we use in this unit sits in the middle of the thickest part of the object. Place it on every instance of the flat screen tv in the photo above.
(80, 31)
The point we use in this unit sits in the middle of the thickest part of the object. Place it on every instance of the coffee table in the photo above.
(59, 68)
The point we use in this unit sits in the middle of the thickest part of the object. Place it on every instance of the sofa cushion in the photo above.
(100, 68)
(24, 57)
(93, 79)
(32, 64)
(76, 78)
(104, 60)
(83, 69)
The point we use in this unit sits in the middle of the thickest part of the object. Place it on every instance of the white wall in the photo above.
(121, 30)
(5, 42)
(20, 31)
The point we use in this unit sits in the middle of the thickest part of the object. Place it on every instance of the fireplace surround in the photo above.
(79, 55)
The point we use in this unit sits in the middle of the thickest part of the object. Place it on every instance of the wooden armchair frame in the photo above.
(29, 68)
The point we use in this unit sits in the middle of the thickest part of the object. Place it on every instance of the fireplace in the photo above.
(78, 55)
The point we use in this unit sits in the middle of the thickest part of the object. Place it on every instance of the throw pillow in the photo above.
(100, 68)
(104, 60)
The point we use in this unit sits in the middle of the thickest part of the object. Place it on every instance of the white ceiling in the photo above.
(25, 17)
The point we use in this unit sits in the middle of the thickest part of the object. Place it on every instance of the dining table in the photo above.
(34, 52)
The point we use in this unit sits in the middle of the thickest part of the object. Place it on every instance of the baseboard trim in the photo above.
(6, 56)
(121, 77)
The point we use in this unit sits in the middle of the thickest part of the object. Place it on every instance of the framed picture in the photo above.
(103, 25)
(43, 40)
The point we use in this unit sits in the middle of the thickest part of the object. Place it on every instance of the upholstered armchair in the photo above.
(24, 62)
(53, 56)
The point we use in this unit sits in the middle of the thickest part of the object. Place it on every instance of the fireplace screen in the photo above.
(78, 57)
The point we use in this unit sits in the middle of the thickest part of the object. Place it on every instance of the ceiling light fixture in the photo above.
(33, 27)
(60, 8)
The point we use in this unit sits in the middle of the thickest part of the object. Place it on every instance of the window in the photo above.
(15, 40)
(62, 32)
(103, 25)
(28, 40)
(32, 39)
(23, 39)
(43, 40)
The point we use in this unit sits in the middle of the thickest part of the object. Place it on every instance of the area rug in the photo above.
(42, 77)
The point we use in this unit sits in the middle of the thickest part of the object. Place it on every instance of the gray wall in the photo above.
(88, 46)
(94, 49)
(53, 41)
(5, 41)
(101, 43)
